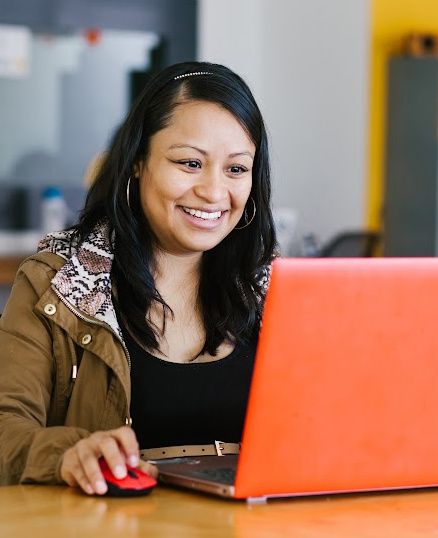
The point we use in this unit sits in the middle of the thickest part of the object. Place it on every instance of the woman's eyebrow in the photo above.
(204, 152)
(179, 146)
(242, 153)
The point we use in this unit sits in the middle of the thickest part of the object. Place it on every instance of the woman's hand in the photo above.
(80, 463)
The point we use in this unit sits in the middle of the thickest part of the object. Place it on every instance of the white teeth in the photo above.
(203, 214)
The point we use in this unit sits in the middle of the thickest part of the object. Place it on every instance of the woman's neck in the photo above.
(177, 280)
(172, 270)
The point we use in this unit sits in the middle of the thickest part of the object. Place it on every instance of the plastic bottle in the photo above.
(54, 210)
(310, 246)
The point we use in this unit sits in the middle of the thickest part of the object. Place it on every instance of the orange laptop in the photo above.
(344, 395)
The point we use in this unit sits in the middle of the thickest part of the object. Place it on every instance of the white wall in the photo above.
(307, 63)
(64, 112)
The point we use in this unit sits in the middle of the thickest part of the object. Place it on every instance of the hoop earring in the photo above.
(247, 222)
(127, 191)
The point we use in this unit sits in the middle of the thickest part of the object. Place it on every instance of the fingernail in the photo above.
(100, 486)
(119, 471)
(133, 460)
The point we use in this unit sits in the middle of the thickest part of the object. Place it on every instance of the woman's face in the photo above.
(197, 178)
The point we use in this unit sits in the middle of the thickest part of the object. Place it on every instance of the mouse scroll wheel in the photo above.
(132, 474)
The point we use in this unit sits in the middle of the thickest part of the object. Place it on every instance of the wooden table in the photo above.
(58, 511)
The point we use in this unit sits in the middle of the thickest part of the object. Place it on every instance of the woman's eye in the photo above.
(191, 163)
(236, 169)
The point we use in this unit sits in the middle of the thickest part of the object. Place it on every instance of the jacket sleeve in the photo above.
(30, 451)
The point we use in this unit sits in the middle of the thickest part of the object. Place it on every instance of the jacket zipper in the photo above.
(94, 322)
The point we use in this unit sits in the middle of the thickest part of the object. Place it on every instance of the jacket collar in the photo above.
(84, 281)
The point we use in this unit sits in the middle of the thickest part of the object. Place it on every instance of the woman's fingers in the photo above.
(148, 468)
(80, 467)
(128, 444)
(113, 454)
(78, 478)
(89, 461)
(72, 472)
(80, 464)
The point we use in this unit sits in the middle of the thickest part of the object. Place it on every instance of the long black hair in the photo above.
(230, 293)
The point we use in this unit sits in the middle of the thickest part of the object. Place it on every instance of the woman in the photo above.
(147, 312)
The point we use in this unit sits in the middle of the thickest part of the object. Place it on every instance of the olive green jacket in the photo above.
(44, 407)
(60, 312)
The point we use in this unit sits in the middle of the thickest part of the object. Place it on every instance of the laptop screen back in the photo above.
(345, 388)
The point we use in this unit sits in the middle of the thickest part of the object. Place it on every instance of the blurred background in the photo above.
(348, 89)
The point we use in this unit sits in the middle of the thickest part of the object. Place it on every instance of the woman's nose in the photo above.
(211, 186)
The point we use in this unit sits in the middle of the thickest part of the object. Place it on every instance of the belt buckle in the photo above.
(218, 447)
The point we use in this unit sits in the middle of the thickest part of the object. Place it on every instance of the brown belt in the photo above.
(219, 448)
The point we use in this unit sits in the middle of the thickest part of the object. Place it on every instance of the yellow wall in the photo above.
(391, 20)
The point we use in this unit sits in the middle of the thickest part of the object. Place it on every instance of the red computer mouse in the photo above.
(135, 483)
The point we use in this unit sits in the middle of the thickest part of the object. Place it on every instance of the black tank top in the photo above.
(190, 403)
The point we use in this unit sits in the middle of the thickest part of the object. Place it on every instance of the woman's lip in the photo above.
(202, 213)
(204, 223)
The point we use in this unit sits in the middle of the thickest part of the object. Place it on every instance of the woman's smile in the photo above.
(201, 219)
(204, 215)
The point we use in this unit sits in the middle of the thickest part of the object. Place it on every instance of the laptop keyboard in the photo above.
(223, 476)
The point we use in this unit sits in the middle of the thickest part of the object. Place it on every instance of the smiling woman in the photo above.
(197, 178)
(163, 278)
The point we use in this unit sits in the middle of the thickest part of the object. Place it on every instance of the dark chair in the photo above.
(352, 244)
